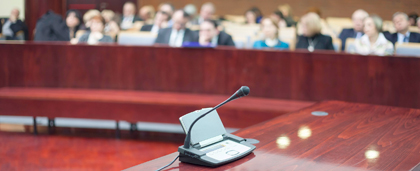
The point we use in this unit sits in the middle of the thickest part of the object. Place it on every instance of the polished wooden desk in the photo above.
(391, 81)
(352, 137)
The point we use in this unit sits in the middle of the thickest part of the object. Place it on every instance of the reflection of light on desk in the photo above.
(372, 154)
(304, 132)
(283, 142)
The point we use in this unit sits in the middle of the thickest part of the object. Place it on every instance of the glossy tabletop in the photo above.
(352, 136)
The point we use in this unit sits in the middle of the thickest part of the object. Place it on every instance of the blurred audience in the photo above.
(169, 9)
(403, 35)
(210, 35)
(413, 18)
(286, 10)
(147, 14)
(278, 18)
(111, 25)
(191, 10)
(89, 15)
(312, 38)
(161, 21)
(176, 35)
(357, 31)
(129, 16)
(52, 27)
(206, 13)
(270, 30)
(250, 17)
(258, 13)
(96, 33)
(13, 28)
(373, 42)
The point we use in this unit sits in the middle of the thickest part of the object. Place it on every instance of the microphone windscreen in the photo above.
(245, 90)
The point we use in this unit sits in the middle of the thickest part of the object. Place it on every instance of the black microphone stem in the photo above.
(187, 139)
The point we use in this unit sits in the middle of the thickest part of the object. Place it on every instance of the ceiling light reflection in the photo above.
(283, 142)
(372, 154)
(304, 132)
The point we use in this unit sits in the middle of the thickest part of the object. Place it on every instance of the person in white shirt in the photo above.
(129, 16)
(178, 34)
(373, 42)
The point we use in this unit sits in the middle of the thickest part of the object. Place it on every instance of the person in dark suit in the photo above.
(210, 35)
(52, 27)
(403, 35)
(312, 38)
(176, 35)
(357, 30)
(161, 21)
(129, 16)
(10, 27)
(206, 12)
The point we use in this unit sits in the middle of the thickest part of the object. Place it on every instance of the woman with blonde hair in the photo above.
(373, 42)
(270, 29)
(312, 38)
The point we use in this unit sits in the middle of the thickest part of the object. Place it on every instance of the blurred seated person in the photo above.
(250, 17)
(96, 33)
(258, 14)
(413, 18)
(10, 27)
(403, 34)
(373, 42)
(176, 35)
(147, 14)
(89, 15)
(210, 35)
(111, 26)
(206, 12)
(191, 10)
(161, 21)
(357, 31)
(286, 10)
(129, 16)
(312, 38)
(52, 27)
(278, 18)
(270, 29)
(169, 9)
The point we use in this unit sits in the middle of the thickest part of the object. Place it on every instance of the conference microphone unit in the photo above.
(209, 144)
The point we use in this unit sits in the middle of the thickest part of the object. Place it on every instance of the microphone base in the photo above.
(230, 149)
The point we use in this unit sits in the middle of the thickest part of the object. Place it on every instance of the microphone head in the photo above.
(245, 91)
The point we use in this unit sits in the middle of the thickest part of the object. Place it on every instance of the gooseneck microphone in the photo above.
(243, 91)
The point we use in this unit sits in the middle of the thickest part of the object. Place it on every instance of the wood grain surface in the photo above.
(352, 137)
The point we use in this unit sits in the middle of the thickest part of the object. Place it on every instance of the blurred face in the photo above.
(206, 12)
(96, 26)
(166, 8)
(250, 17)
(418, 24)
(160, 18)
(179, 21)
(269, 29)
(129, 10)
(358, 22)
(369, 27)
(15, 13)
(401, 23)
(71, 20)
(145, 13)
(412, 22)
(208, 31)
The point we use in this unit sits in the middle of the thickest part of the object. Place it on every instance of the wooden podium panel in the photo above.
(352, 137)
